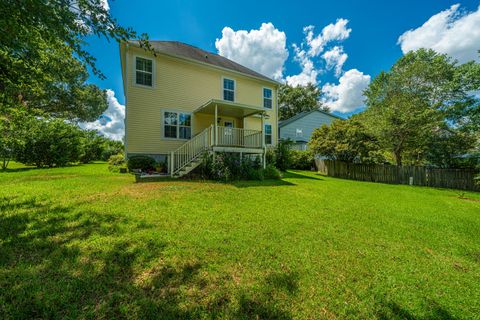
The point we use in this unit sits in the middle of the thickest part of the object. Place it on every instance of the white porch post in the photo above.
(171, 164)
(263, 130)
(263, 142)
(264, 158)
(216, 125)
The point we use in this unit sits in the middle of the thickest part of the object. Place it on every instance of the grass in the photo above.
(80, 242)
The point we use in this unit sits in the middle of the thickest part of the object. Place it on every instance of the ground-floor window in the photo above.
(268, 134)
(177, 125)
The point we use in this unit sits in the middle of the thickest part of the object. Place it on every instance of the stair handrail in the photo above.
(190, 150)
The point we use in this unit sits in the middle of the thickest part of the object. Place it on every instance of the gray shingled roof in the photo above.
(303, 114)
(184, 50)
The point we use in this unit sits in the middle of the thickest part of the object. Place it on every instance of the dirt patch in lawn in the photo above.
(468, 199)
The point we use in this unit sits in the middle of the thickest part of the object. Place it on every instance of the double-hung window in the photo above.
(267, 98)
(228, 89)
(268, 134)
(144, 72)
(177, 125)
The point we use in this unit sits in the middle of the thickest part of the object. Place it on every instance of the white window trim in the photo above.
(134, 67)
(265, 133)
(178, 125)
(296, 132)
(229, 120)
(263, 98)
(234, 88)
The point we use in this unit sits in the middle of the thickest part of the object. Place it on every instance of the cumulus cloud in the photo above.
(263, 50)
(347, 95)
(337, 31)
(450, 31)
(309, 72)
(111, 122)
(335, 59)
(311, 48)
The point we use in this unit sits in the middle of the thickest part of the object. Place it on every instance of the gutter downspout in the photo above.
(276, 119)
(125, 93)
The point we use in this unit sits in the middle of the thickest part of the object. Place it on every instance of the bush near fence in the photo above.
(463, 179)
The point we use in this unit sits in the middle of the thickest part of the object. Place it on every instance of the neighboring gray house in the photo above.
(299, 128)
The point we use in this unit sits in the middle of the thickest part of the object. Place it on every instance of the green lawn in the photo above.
(81, 242)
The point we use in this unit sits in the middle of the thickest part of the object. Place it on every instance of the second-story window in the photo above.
(144, 72)
(228, 89)
(267, 98)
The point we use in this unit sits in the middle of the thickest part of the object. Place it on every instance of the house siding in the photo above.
(181, 85)
(307, 124)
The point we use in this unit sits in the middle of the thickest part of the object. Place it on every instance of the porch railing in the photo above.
(190, 150)
(237, 137)
(209, 137)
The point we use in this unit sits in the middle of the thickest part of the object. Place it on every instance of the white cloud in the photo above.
(313, 46)
(111, 123)
(337, 31)
(263, 50)
(450, 31)
(347, 96)
(309, 73)
(335, 59)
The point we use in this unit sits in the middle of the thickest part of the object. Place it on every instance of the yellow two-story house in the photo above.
(183, 101)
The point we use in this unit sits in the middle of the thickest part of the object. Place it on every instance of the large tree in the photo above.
(43, 63)
(295, 99)
(346, 140)
(422, 93)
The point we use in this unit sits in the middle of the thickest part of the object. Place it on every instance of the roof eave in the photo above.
(300, 116)
(212, 66)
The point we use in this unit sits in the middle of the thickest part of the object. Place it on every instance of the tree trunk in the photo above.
(398, 157)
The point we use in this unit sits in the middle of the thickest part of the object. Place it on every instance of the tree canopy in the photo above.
(423, 111)
(423, 95)
(43, 63)
(346, 140)
(295, 99)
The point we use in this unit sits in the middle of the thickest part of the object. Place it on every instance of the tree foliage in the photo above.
(302, 159)
(293, 100)
(12, 131)
(52, 143)
(422, 93)
(451, 149)
(43, 63)
(282, 154)
(346, 140)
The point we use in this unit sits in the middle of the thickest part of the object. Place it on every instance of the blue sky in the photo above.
(367, 38)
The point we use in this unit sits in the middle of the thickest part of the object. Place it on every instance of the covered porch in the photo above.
(229, 132)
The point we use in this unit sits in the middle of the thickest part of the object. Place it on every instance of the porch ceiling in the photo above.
(227, 108)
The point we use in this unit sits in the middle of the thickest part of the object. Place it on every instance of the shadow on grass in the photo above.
(64, 262)
(19, 169)
(296, 175)
(264, 302)
(392, 310)
(24, 168)
(53, 267)
(263, 183)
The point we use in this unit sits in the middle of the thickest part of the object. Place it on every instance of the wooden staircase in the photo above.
(188, 156)
(188, 168)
